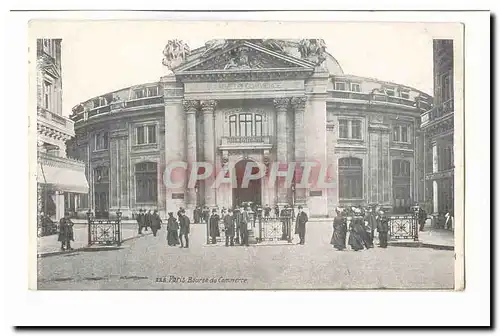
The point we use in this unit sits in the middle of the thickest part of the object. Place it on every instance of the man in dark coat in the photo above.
(196, 214)
(300, 225)
(140, 220)
(370, 226)
(214, 226)
(184, 229)
(422, 217)
(339, 231)
(66, 233)
(276, 210)
(267, 210)
(237, 224)
(147, 219)
(155, 222)
(229, 227)
(244, 225)
(383, 229)
(285, 217)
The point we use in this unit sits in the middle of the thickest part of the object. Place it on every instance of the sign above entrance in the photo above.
(292, 85)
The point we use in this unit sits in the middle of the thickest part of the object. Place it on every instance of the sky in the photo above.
(97, 60)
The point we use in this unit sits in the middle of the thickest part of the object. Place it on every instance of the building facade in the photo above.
(438, 124)
(59, 178)
(266, 101)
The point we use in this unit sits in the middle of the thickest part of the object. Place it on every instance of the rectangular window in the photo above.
(390, 92)
(151, 134)
(340, 86)
(356, 129)
(47, 94)
(101, 141)
(404, 134)
(232, 126)
(343, 129)
(401, 133)
(355, 87)
(140, 135)
(405, 94)
(446, 87)
(139, 94)
(152, 91)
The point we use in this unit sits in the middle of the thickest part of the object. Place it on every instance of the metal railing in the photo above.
(43, 112)
(437, 111)
(246, 140)
(380, 98)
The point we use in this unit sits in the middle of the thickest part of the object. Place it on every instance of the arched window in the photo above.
(146, 182)
(245, 124)
(401, 191)
(258, 125)
(350, 178)
(232, 125)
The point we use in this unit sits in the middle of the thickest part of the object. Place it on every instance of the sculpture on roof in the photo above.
(175, 53)
(313, 50)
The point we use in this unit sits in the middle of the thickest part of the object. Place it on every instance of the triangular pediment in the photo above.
(242, 55)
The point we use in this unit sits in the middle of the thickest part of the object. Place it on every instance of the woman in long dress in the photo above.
(172, 227)
(339, 231)
(357, 232)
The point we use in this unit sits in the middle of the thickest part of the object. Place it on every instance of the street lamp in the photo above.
(89, 231)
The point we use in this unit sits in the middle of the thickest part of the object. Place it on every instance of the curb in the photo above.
(91, 249)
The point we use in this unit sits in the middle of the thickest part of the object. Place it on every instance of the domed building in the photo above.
(271, 102)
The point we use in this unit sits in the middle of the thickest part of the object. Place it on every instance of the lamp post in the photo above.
(118, 226)
(89, 231)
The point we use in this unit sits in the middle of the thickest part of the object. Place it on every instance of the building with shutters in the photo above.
(60, 180)
(230, 102)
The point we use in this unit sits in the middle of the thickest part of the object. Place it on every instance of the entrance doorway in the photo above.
(254, 190)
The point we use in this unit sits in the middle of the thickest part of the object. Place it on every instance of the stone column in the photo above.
(58, 198)
(208, 108)
(298, 104)
(435, 169)
(435, 158)
(190, 107)
(281, 106)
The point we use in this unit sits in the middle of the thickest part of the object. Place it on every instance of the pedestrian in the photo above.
(66, 233)
(285, 220)
(172, 227)
(267, 210)
(147, 219)
(139, 217)
(339, 231)
(196, 214)
(155, 222)
(422, 217)
(368, 221)
(300, 225)
(184, 229)
(371, 219)
(179, 212)
(229, 228)
(383, 229)
(245, 225)
(276, 210)
(357, 232)
(237, 224)
(206, 212)
(214, 226)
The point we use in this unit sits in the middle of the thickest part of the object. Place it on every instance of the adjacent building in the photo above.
(438, 126)
(266, 101)
(59, 178)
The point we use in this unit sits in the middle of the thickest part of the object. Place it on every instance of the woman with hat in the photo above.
(357, 232)
(339, 231)
(172, 227)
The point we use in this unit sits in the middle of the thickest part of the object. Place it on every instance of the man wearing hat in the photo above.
(172, 227)
(140, 220)
(229, 228)
(184, 228)
(213, 223)
(155, 222)
(300, 225)
(244, 225)
(383, 229)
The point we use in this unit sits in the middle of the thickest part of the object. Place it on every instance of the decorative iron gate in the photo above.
(403, 227)
(274, 229)
(104, 231)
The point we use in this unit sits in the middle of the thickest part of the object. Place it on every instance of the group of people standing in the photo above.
(361, 225)
(178, 229)
(146, 219)
(236, 225)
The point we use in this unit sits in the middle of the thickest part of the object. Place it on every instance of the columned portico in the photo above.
(208, 108)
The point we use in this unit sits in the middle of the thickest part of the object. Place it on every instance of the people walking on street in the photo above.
(300, 225)
(422, 217)
(383, 229)
(155, 222)
(66, 233)
(229, 228)
(184, 228)
(339, 231)
(214, 226)
(356, 232)
(172, 227)
(245, 225)
(147, 219)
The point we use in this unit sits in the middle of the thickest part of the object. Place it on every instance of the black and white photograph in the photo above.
(184, 161)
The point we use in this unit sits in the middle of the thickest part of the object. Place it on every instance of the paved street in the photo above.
(315, 265)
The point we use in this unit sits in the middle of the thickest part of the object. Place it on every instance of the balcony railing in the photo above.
(99, 110)
(436, 112)
(144, 101)
(43, 112)
(380, 98)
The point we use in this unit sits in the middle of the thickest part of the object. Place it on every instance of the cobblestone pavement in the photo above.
(148, 259)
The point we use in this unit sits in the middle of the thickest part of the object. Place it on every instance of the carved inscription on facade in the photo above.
(244, 86)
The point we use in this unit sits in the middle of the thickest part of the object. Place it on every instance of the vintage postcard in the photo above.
(181, 155)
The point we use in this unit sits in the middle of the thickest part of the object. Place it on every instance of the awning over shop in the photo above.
(62, 179)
